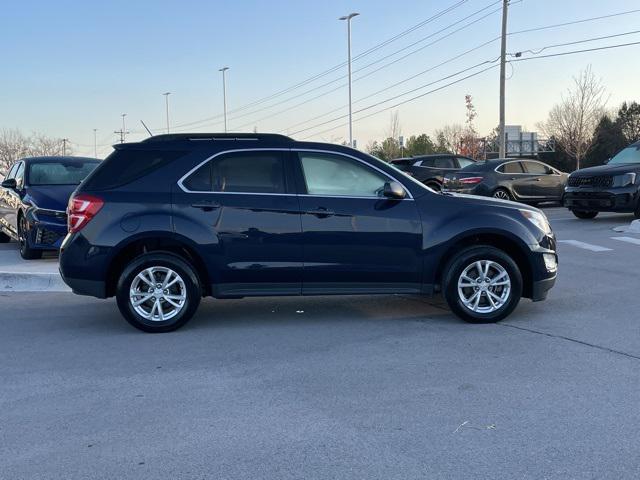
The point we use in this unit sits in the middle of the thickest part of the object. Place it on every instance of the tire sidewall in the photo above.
(175, 263)
(462, 261)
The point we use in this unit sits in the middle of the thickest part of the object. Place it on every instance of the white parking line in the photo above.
(635, 241)
(586, 246)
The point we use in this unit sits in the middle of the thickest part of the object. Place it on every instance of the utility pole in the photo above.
(166, 101)
(348, 19)
(64, 146)
(224, 95)
(503, 56)
(95, 143)
(123, 131)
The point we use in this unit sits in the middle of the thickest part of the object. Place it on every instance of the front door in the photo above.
(242, 211)
(355, 240)
(545, 183)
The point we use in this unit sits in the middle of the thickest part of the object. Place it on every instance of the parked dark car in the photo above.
(529, 181)
(163, 222)
(33, 199)
(614, 187)
(431, 169)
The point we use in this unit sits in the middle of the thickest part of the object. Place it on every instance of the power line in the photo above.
(593, 39)
(357, 57)
(370, 64)
(574, 22)
(572, 52)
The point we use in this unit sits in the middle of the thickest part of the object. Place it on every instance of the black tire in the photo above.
(26, 252)
(187, 274)
(585, 214)
(4, 238)
(502, 194)
(637, 211)
(466, 258)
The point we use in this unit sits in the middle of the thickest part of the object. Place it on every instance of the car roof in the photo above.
(58, 158)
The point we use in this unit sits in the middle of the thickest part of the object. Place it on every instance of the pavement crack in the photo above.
(569, 339)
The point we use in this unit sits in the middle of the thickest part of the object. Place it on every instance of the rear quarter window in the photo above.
(125, 166)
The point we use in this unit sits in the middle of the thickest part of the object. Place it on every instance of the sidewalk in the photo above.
(18, 275)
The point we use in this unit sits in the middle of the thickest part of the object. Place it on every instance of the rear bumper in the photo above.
(607, 200)
(84, 267)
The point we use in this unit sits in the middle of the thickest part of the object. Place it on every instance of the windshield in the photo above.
(628, 155)
(60, 173)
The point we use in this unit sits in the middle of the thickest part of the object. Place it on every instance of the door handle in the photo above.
(538, 179)
(206, 206)
(320, 212)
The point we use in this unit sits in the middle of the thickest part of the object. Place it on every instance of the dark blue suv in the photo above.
(161, 223)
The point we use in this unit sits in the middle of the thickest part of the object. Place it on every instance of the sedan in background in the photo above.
(527, 181)
(33, 201)
(431, 169)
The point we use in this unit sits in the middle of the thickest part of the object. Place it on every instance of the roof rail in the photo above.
(172, 137)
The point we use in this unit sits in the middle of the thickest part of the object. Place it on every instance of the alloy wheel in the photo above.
(484, 286)
(158, 294)
(501, 194)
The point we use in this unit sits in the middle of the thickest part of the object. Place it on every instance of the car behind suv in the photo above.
(614, 187)
(163, 222)
(431, 169)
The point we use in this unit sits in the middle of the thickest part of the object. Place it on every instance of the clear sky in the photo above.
(69, 66)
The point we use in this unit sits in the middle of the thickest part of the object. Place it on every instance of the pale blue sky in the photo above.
(70, 66)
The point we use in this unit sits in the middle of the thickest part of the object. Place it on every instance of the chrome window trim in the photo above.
(267, 149)
(525, 173)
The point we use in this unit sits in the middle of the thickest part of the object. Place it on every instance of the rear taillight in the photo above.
(471, 180)
(82, 208)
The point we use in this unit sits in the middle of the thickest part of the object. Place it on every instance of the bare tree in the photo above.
(572, 122)
(14, 145)
(451, 137)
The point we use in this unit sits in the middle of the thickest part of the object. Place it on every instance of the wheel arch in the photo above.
(510, 246)
(156, 242)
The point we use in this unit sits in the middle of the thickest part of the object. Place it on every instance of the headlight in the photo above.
(624, 179)
(538, 219)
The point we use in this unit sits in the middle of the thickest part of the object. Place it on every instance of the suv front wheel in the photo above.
(158, 292)
(482, 284)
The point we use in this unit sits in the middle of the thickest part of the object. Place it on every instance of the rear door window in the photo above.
(464, 162)
(241, 172)
(511, 167)
(126, 165)
(444, 162)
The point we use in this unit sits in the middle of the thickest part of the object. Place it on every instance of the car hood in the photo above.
(607, 170)
(51, 197)
(490, 201)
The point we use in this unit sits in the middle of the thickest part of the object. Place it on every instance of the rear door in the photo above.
(242, 210)
(355, 240)
(513, 176)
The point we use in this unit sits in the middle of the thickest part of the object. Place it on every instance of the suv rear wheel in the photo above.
(158, 292)
(482, 284)
(585, 214)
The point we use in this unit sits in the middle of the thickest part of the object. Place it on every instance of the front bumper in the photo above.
(46, 229)
(623, 199)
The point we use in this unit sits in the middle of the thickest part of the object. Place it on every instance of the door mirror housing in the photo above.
(394, 190)
(10, 183)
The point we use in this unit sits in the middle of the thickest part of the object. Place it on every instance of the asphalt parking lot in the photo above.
(335, 387)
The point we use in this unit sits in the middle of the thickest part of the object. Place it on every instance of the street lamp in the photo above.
(348, 19)
(224, 95)
(166, 101)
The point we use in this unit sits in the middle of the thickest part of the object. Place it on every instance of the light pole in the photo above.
(348, 19)
(166, 101)
(95, 143)
(502, 144)
(224, 95)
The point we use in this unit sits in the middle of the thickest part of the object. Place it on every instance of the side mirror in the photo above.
(607, 160)
(10, 183)
(394, 190)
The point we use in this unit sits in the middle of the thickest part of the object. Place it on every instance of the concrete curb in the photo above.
(32, 282)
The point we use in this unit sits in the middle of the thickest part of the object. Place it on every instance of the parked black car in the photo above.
(529, 181)
(431, 169)
(614, 187)
(163, 222)
(33, 199)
